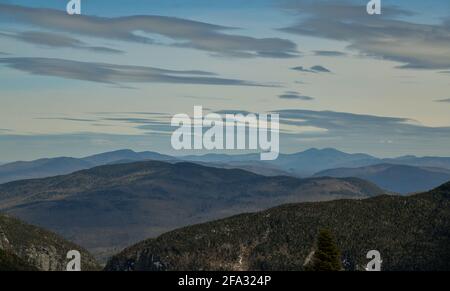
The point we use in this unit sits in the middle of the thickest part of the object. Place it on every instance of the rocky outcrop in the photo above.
(39, 248)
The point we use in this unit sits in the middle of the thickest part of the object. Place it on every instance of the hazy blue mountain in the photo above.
(396, 178)
(411, 233)
(301, 164)
(436, 162)
(125, 155)
(310, 161)
(41, 168)
(221, 158)
(64, 165)
(112, 206)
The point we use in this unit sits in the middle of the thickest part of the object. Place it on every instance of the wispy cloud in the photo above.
(236, 111)
(55, 40)
(329, 124)
(329, 53)
(135, 120)
(292, 95)
(443, 100)
(115, 74)
(320, 69)
(353, 132)
(313, 69)
(299, 129)
(182, 33)
(67, 119)
(128, 113)
(415, 45)
(359, 125)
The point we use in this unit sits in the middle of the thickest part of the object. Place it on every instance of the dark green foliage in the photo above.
(11, 262)
(27, 245)
(411, 233)
(327, 257)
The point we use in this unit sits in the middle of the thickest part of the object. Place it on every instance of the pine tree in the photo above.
(327, 257)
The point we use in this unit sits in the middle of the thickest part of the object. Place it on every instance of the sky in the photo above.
(113, 77)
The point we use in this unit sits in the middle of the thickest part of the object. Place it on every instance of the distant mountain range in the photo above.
(309, 162)
(109, 207)
(411, 233)
(65, 165)
(303, 164)
(300, 164)
(396, 178)
(25, 247)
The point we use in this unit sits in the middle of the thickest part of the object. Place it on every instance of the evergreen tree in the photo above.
(327, 257)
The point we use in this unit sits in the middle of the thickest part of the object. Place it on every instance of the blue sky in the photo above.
(113, 77)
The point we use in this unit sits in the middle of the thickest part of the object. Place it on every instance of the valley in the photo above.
(411, 233)
(110, 207)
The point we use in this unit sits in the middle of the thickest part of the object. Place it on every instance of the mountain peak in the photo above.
(116, 152)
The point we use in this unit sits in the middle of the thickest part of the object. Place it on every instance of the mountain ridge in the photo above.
(128, 202)
(298, 164)
(394, 177)
(411, 233)
(48, 167)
